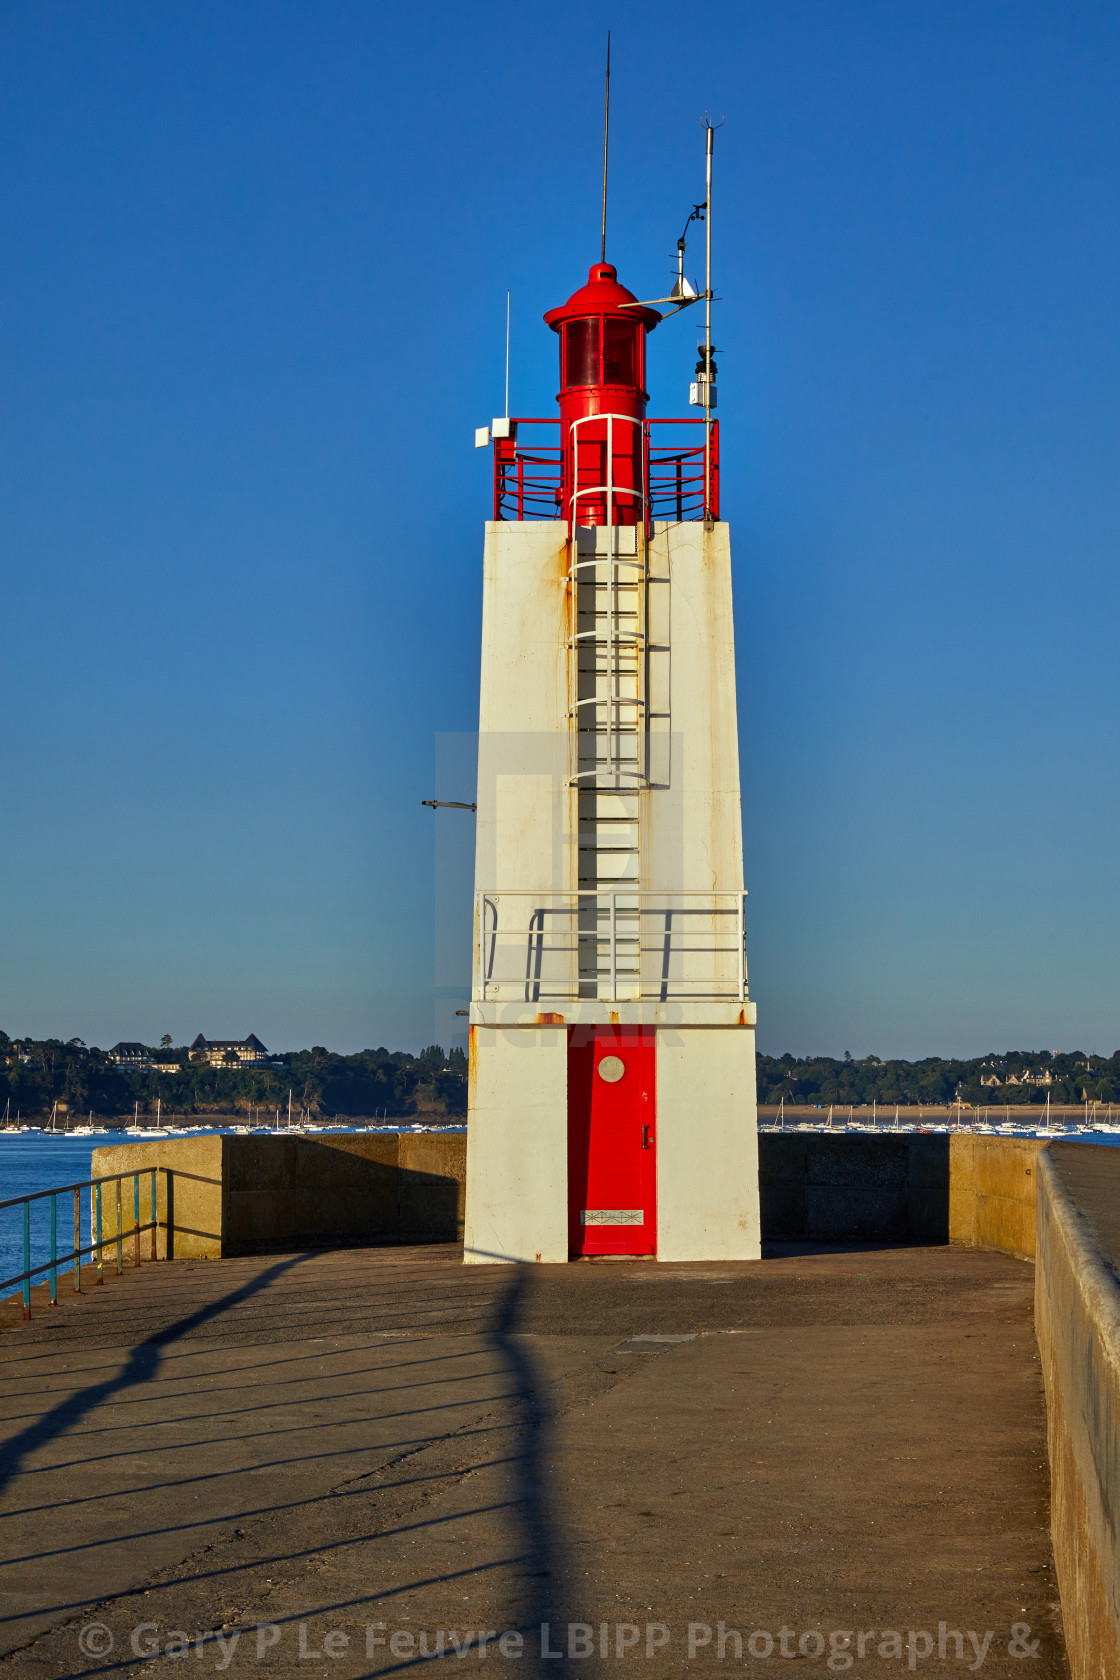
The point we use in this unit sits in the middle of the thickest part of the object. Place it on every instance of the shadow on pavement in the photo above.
(141, 1366)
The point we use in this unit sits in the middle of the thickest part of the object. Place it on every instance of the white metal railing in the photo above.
(617, 946)
(608, 658)
(608, 653)
(610, 489)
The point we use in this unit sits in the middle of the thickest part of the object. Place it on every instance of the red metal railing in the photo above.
(530, 478)
(527, 476)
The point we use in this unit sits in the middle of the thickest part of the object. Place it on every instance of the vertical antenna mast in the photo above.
(708, 333)
(507, 355)
(606, 132)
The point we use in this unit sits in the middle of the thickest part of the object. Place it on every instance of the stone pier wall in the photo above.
(1077, 1322)
(245, 1195)
(221, 1196)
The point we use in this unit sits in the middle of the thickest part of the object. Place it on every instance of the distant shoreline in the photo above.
(940, 1114)
(83, 1126)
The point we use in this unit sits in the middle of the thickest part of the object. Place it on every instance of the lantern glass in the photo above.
(619, 353)
(581, 353)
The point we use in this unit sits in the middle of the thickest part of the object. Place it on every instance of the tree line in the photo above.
(1015, 1077)
(35, 1074)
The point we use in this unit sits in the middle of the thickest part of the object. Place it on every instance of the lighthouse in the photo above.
(612, 1104)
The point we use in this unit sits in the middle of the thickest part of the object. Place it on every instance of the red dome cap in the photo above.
(602, 295)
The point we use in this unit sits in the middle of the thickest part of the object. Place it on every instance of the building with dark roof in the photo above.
(214, 1050)
(130, 1054)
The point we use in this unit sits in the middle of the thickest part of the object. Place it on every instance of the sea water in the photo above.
(31, 1161)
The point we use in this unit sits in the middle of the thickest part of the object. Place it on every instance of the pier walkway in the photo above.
(337, 1462)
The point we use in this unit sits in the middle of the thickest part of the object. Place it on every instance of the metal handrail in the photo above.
(610, 489)
(620, 638)
(97, 1246)
(616, 919)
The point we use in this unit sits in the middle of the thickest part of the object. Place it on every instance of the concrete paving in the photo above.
(354, 1460)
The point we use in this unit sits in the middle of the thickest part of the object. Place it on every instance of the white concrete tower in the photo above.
(612, 1049)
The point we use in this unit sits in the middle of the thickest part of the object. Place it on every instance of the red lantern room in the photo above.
(602, 330)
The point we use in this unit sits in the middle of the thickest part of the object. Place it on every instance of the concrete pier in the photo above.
(378, 1444)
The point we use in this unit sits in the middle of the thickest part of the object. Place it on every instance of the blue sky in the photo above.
(254, 262)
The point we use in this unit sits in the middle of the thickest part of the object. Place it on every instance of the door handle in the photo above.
(647, 1142)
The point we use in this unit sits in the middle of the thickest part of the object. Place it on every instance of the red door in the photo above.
(612, 1181)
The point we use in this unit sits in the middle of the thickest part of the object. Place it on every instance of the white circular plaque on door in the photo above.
(612, 1068)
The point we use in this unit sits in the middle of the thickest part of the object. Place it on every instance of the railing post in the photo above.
(610, 469)
(565, 472)
(97, 1234)
(680, 490)
(26, 1259)
(77, 1242)
(480, 913)
(54, 1251)
(154, 1223)
(707, 462)
(742, 950)
(120, 1231)
(614, 951)
(136, 1213)
(520, 486)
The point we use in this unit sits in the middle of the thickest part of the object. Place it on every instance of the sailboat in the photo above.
(1046, 1129)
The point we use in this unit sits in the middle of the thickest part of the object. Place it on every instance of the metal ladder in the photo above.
(608, 570)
